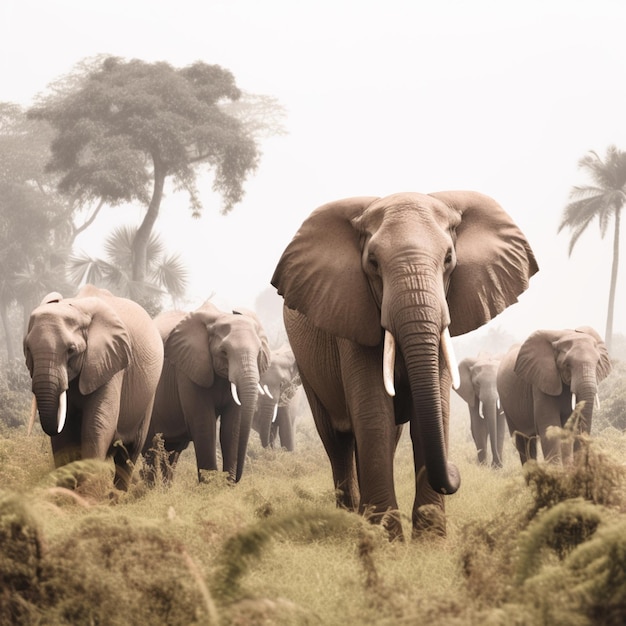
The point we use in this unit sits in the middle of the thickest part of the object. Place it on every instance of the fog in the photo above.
(502, 98)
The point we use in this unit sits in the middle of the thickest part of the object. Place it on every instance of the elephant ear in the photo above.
(603, 369)
(494, 261)
(536, 362)
(53, 296)
(466, 387)
(320, 273)
(108, 343)
(265, 356)
(187, 346)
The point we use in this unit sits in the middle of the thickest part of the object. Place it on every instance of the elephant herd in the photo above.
(373, 288)
(107, 378)
(535, 385)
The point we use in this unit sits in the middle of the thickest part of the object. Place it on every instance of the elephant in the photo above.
(478, 388)
(212, 367)
(95, 361)
(276, 410)
(363, 275)
(540, 381)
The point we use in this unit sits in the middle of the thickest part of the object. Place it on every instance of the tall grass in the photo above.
(539, 545)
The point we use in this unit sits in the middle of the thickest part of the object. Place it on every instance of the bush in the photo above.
(612, 392)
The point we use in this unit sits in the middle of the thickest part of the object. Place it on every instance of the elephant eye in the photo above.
(371, 259)
(448, 259)
(72, 349)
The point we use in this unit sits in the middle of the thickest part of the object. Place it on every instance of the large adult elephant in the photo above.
(276, 410)
(213, 363)
(541, 380)
(365, 274)
(477, 387)
(95, 362)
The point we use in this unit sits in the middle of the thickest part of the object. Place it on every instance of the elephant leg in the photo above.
(340, 448)
(526, 447)
(285, 428)
(429, 506)
(480, 434)
(547, 413)
(199, 414)
(123, 466)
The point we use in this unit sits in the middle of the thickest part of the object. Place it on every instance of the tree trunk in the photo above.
(140, 244)
(608, 335)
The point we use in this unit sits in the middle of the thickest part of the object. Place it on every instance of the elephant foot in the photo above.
(427, 519)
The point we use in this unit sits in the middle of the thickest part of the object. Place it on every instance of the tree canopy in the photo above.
(123, 127)
(603, 200)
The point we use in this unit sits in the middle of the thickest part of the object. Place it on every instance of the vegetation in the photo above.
(122, 128)
(532, 546)
(604, 199)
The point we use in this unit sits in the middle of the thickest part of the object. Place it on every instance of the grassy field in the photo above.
(539, 546)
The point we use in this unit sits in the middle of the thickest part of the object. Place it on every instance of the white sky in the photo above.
(386, 96)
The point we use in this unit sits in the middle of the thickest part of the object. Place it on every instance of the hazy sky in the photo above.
(500, 97)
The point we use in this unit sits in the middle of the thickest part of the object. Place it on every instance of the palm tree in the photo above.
(603, 199)
(165, 274)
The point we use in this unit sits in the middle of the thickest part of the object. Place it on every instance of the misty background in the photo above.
(380, 97)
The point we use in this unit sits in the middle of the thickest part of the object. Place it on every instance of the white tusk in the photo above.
(275, 415)
(267, 392)
(573, 401)
(33, 414)
(480, 409)
(233, 391)
(261, 390)
(62, 413)
(498, 403)
(389, 357)
(597, 401)
(448, 353)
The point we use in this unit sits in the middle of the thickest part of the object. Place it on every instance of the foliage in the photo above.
(124, 127)
(166, 274)
(15, 395)
(274, 549)
(603, 200)
(612, 392)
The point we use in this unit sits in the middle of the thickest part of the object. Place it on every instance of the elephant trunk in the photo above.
(247, 390)
(418, 332)
(51, 397)
(586, 391)
(266, 414)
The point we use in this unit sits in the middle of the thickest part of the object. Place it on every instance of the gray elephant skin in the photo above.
(478, 388)
(212, 367)
(364, 275)
(540, 380)
(95, 362)
(276, 411)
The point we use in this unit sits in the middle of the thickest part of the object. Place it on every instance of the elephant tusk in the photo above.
(62, 413)
(389, 357)
(267, 392)
(261, 390)
(448, 353)
(31, 419)
(597, 401)
(233, 391)
(275, 414)
(481, 412)
(498, 403)
(573, 402)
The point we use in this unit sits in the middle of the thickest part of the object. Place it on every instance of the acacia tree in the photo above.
(604, 200)
(124, 127)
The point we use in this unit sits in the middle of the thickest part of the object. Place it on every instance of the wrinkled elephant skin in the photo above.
(405, 271)
(212, 368)
(539, 380)
(95, 362)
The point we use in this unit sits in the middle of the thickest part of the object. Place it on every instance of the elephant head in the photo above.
(209, 343)
(80, 338)
(566, 361)
(410, 268)
(280, 382)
